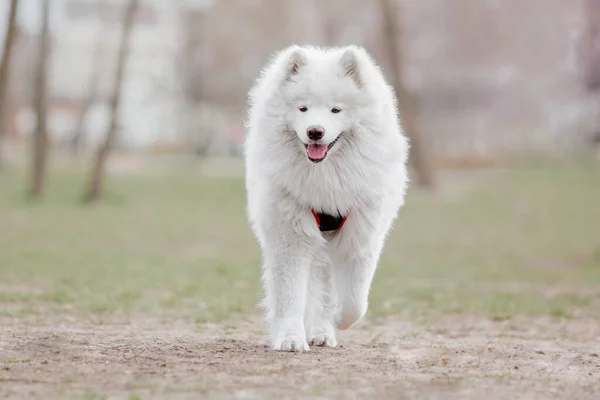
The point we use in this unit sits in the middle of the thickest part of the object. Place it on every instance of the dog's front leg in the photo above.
(320, 304)
(289, 246)
(285, 279)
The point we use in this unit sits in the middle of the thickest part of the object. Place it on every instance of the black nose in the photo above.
(315, 132)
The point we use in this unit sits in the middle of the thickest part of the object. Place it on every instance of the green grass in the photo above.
(496, 243)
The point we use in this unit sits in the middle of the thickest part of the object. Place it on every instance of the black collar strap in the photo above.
(327, 223)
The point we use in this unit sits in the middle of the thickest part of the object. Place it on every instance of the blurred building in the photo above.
(85, 36)
(496, 76)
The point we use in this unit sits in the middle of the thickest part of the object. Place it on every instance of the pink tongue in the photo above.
(316, 151)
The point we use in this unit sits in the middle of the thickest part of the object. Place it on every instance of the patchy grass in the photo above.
(497, 243)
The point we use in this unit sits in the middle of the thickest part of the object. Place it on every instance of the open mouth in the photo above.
(316, 152)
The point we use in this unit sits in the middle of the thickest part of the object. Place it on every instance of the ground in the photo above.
(488, 287)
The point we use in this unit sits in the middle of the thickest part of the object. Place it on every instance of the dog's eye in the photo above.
(303, 109)
(336, 110)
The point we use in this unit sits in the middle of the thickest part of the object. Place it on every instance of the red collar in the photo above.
(327, 222)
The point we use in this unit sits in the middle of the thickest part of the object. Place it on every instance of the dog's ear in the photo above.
(296, 60)
(351, 66)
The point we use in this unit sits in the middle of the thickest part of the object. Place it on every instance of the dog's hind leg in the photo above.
(353, 280)
(318, 319)
(355, 254)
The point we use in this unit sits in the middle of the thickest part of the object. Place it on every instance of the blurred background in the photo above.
(122, 201)
(138, 107)
(487, 77)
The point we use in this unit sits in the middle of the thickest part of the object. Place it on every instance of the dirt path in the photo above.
(457, 358)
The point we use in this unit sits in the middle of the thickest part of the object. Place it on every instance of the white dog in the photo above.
(324, 149)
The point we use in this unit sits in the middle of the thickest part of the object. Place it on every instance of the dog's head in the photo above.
(324, 93)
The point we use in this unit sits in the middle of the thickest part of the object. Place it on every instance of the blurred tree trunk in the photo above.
(419, 156)
(591, 64)
(40, 137)
(11, 33)
(96, 183)
(592, 45)
(79, 134)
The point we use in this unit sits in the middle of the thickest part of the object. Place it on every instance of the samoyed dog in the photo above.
(325, 177)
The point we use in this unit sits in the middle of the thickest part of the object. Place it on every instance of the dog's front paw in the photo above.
(322, 334)
(291, 343)
(290, 336)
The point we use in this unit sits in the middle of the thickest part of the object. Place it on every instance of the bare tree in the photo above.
(96, 182)
(591, 50)
(6, 57)
(79, 134)
(406, 103)
(40, 137)
(591, 59)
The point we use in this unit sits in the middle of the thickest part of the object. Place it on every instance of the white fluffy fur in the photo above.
(318, 282)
